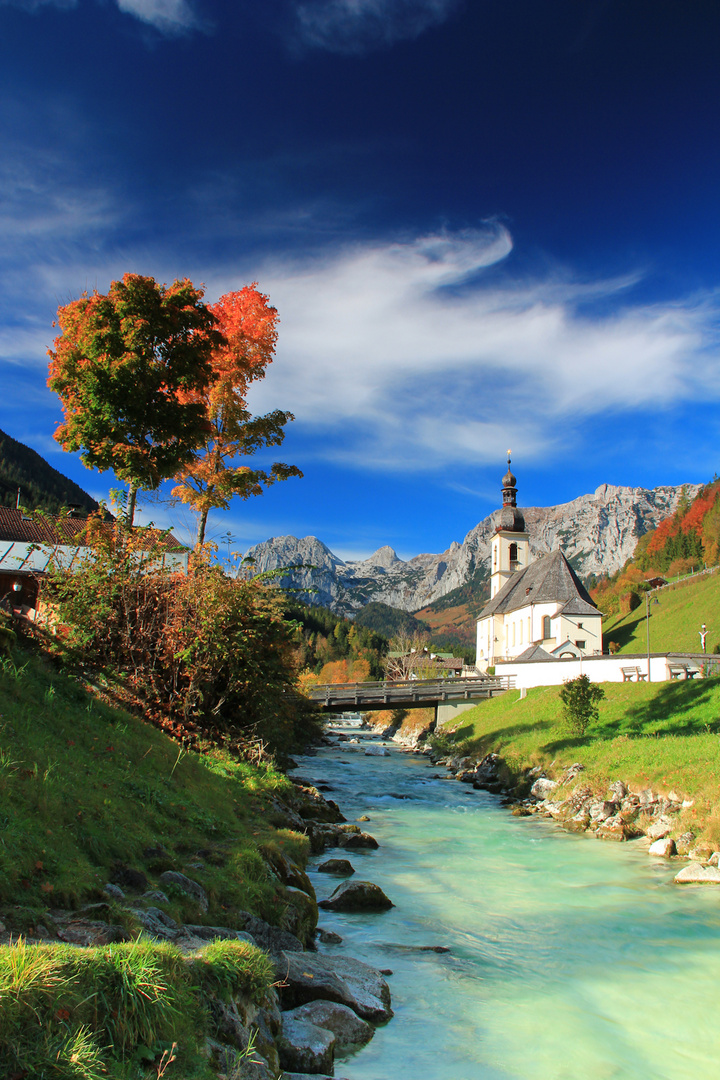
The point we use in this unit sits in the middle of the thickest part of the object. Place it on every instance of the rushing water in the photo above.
(569, 958)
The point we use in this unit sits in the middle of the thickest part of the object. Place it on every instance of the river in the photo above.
(569, 958)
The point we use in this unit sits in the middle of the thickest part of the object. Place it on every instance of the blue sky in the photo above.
(484, 224)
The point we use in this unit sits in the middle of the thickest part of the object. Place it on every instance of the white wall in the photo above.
(597, 669)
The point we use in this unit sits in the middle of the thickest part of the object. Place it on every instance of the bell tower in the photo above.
(510, 544)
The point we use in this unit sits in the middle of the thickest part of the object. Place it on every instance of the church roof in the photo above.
(549, 580)
(534, 652)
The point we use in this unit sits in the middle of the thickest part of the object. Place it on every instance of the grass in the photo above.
(665, 736)
(86, 788)
(674, 621)
(113, 1012)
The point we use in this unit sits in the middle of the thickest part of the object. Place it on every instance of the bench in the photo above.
(630, 673)
(684, 671)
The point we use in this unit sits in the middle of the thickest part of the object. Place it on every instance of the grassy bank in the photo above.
(665, 736)
(86, 789)
(90, 794)
(674, 621)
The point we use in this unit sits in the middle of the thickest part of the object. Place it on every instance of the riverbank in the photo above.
(166, 885)
(647, 769)
(519, 950)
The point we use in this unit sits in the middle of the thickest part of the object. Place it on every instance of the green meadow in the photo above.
(676, 614)
(665, 736)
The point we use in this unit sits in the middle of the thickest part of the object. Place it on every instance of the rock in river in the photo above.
(304, 1045)
(346, 1026)
(696, 872)
(317, 977)
(337, 866)
(357, 896)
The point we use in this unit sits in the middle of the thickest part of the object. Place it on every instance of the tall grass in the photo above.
(109, 1012)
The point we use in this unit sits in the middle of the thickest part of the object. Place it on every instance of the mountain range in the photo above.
(597, 532)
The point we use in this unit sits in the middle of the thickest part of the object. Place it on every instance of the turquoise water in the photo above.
(570, 958)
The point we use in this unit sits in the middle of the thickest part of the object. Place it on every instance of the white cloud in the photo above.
(168, 16)
(354, 26)
(410, 356)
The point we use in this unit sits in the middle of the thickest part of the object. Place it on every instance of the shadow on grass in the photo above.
(490, 742)
(665, 713)
(623, 635)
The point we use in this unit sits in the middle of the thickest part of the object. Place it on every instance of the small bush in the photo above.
(579, 698)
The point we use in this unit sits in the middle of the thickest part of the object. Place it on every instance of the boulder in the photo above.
(346, 1026)
(665, 848)
(156, 923)
(343, 979)
(542, 788)
(114, 892)
(210, 933)
(337, 866)
(88, 932)
(270, 938)
(304, 1045)
(357, 896)
(187, 886)
(377, 751)
(353, 841)
(697, 873)
(327, 937)
(289, 872)
(659, 830)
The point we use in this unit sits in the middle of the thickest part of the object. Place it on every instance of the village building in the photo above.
(538, 610)
(31, 543)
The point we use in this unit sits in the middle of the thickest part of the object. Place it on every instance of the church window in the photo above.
(580, 626)
(521, 632)
(513, 633)
(513, 553)
(580, 644)
(546, 632)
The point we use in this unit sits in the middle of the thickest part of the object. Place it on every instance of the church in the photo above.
(537, 610)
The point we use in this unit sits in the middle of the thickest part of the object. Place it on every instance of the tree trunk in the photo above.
(202, 522)
(132, 499)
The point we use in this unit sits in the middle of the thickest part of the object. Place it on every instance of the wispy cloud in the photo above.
(356, 26)
(411, 356)
(168, 16)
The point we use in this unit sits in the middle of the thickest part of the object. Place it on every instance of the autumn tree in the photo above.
(248, 326)
(129, 368)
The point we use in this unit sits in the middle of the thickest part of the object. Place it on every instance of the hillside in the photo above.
(597, 532)
(676, 614)
(662, 736)
(41, 486)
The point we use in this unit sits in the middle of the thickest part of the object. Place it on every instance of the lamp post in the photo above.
(647, 628)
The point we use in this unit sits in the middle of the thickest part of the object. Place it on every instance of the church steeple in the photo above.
(510, 545)
(510, 518)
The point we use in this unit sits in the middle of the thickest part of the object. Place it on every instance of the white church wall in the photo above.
(528, 674)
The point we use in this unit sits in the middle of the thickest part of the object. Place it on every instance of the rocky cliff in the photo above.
(597, 532)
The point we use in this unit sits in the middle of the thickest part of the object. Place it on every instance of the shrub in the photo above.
(212, 655)
(579, 698)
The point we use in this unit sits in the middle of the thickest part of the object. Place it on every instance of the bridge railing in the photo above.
(411, 690)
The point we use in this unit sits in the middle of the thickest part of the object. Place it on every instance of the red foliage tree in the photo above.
(248, 326)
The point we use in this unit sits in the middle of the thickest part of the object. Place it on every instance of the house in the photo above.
(29, 543)
(537, 609)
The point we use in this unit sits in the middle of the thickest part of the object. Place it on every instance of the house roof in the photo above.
(549, 580)
(17, 526)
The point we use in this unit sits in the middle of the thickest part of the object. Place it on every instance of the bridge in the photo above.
(448, 696)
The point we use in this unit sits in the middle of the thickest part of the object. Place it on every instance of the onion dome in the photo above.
(511, 519)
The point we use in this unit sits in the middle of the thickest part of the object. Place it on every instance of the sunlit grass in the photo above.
(665, 736)
(674, 620)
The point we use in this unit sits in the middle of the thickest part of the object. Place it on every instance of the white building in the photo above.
(537, 610)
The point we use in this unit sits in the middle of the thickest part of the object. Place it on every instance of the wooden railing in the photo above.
(413, 692)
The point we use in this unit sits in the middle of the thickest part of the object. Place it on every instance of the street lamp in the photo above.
(647, 627)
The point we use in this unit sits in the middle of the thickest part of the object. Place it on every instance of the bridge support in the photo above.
(447, 711)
